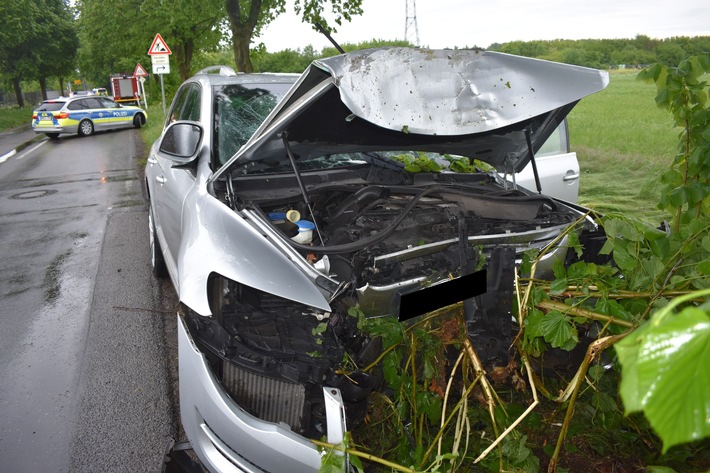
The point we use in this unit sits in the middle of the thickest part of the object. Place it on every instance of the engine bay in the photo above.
(379, 239)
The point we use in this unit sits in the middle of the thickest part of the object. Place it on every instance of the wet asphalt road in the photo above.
(87, 340)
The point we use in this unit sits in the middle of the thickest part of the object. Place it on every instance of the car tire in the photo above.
(157, 262)
(53, 136)
(138, 120)
(86, 128)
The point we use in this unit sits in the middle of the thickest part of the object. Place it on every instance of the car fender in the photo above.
(236, 250)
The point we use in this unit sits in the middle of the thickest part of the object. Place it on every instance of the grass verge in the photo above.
(152, 129)
(12, 117)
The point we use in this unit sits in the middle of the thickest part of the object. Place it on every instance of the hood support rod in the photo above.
(304, 193)
(532, 160)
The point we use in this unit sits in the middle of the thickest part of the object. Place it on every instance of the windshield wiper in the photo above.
(382, 161)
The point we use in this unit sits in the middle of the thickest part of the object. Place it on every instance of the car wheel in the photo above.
(86, 128)
(157, 263)
(53, 136)
(138, 120)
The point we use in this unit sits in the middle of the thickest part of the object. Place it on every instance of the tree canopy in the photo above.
(115, 36)
(37, 41)
(248, 17)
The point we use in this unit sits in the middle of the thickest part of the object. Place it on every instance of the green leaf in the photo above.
(706, 243)
(624, 259)
(318, 329)
(558, 286)
(356, 463)
(666, 374)
(660, 247)
(660, 469)
(559, 331)
(331, 468)
(391, 369)
(704, 267)
(532, 324)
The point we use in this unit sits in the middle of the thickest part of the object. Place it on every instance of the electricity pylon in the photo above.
(411, 32)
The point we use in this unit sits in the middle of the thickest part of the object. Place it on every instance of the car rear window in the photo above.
(50, 106)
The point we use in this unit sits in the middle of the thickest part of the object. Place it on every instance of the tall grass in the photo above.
(152, 129)
(623, 142)
(12, 117)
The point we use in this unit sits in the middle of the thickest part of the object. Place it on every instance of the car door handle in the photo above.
(161, 179)
(570, 177)
(152, 160)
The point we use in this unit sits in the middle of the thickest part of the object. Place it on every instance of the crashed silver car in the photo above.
(278, 203)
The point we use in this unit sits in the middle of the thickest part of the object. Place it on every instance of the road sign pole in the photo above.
(162, 90)
(145, 99)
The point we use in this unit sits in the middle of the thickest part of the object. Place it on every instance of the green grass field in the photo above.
(623, 142)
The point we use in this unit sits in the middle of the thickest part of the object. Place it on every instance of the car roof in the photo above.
(225, 75)
(58, 99)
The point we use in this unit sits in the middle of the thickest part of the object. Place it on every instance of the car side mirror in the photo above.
(181, 141)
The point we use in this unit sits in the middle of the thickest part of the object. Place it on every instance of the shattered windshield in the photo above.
(239, 110)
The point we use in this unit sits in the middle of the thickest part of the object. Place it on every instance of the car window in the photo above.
(106, 103)
(77, 105)
(93, 103)
(50, 106)
(557, 143)
(186, 105)
(191, 110)
(178, 104)
(239, 110)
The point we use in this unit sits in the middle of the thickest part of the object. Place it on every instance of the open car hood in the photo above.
(472, 103)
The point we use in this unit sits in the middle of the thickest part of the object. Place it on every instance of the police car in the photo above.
(84, 115)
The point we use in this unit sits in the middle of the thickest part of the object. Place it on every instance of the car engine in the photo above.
(379, 239)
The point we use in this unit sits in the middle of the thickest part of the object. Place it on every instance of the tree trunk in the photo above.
(43, 87)
(242, 30)
(184, 59)
(242, 59)
(18, 91)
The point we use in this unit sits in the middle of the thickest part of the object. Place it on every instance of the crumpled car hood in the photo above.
(473, 103)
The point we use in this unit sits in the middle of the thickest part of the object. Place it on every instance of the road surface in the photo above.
(86, 346)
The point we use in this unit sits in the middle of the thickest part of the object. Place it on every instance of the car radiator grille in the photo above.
(269, 399)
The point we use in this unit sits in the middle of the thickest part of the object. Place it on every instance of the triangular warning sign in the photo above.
(159, 46)
(139, 72)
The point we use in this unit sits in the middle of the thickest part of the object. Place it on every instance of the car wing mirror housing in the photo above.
(181, 142)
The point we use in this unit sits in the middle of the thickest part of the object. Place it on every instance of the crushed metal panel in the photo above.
(455, 92)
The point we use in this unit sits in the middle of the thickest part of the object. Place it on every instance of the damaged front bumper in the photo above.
(227, 438)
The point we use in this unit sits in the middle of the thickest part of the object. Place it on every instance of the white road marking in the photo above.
(7, 156)
(25, 153)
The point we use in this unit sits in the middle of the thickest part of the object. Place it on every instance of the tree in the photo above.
(669, 53)
(191, 26)
(116, 35)
(58, 56)
(248, 17)
(17, 38)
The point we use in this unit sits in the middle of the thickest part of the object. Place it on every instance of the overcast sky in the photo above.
(460, 23)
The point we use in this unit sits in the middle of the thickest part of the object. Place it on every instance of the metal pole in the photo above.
(162, 90)
(145, 99)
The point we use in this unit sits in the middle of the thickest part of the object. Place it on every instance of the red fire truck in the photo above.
(125, 89)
